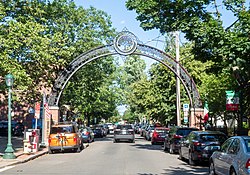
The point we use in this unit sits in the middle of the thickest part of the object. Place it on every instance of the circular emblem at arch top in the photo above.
(125, 43)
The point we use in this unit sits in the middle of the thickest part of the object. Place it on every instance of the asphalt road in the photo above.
(108, 158)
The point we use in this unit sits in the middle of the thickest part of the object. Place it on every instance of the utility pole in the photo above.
(178, 103)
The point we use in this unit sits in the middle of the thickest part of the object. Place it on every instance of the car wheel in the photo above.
(171, 151)
(190, 159)
(165, 147)
(50, 151)
(180, 155)
(78, 149)
(232, 171)
(82, 146)
(211, 168)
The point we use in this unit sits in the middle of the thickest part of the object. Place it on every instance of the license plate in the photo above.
(205, 155)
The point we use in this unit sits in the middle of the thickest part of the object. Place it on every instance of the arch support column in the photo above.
(196, 118)
(54, 110)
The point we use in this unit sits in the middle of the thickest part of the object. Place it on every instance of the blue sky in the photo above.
(121, 17)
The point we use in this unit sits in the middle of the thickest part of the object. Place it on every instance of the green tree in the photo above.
(131, 72)
(39, 38)
(201, 22)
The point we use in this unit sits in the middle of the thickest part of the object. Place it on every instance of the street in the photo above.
(105, 157)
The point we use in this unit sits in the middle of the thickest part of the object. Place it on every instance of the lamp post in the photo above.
(9, 151)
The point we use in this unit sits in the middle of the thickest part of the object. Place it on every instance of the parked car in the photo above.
(65, 136)
(143, 130)
(110, 128)
(233, 158)
(137, 128)
(149, 132)
(98, 132)
(159, 135)
(172, 140)
(124, 133)
(17, 129)
(87, 134)
(198, 146)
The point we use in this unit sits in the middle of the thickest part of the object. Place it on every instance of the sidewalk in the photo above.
(17, 144)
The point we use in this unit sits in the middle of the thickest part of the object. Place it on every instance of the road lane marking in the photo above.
(6, 168)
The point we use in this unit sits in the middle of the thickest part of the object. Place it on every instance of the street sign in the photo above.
(31, 110)
(232, 101)
(185, 119)
(185, 107)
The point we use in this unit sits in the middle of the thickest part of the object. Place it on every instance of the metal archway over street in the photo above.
(125, 43)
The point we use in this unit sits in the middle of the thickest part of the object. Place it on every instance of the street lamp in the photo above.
(9, 152)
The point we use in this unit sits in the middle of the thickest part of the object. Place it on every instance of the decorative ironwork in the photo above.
(125, 43)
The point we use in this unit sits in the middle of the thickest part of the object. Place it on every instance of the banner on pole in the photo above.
(37, 110)
(232, 101)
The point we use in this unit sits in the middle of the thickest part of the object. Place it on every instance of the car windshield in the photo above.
(124, 127)
(183, 132)
(162, 131)
(63, 129)
(247, 143)
(213, 137)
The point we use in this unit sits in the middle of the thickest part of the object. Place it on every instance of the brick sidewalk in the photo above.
(17, 144)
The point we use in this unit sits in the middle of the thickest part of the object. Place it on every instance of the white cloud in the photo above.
(122, 22)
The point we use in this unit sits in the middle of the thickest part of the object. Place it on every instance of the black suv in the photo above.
(198, 146)
(172, 140)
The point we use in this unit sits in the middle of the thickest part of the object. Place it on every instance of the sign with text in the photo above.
(232, 101)
(37, 110)
(185, 107)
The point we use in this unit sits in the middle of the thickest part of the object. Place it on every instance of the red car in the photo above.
(159, 135)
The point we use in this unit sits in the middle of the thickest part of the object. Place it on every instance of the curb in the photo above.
(16, 161)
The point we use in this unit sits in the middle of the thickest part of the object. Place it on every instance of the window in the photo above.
(234, 147)
(225, 146)
(247, 144)
(64, 129)
(213, 137)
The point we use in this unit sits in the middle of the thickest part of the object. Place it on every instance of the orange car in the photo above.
(65, 137)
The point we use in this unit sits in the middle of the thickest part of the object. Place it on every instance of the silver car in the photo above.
(233, 157)
(124, 133)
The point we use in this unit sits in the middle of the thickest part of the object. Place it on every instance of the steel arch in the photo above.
(125, 43)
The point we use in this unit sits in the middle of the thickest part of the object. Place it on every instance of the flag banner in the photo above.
(205, 116)
(46, 110)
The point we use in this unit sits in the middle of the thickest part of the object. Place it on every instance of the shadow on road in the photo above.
(17, 143)
(147, 146)
(188, 170)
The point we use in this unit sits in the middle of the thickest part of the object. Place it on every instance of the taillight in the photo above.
(75, 139)
(198, 144)
(177, 136)
(49, 140)
(87, 133)
(248, 164)
(131, 131)
(155, 134)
